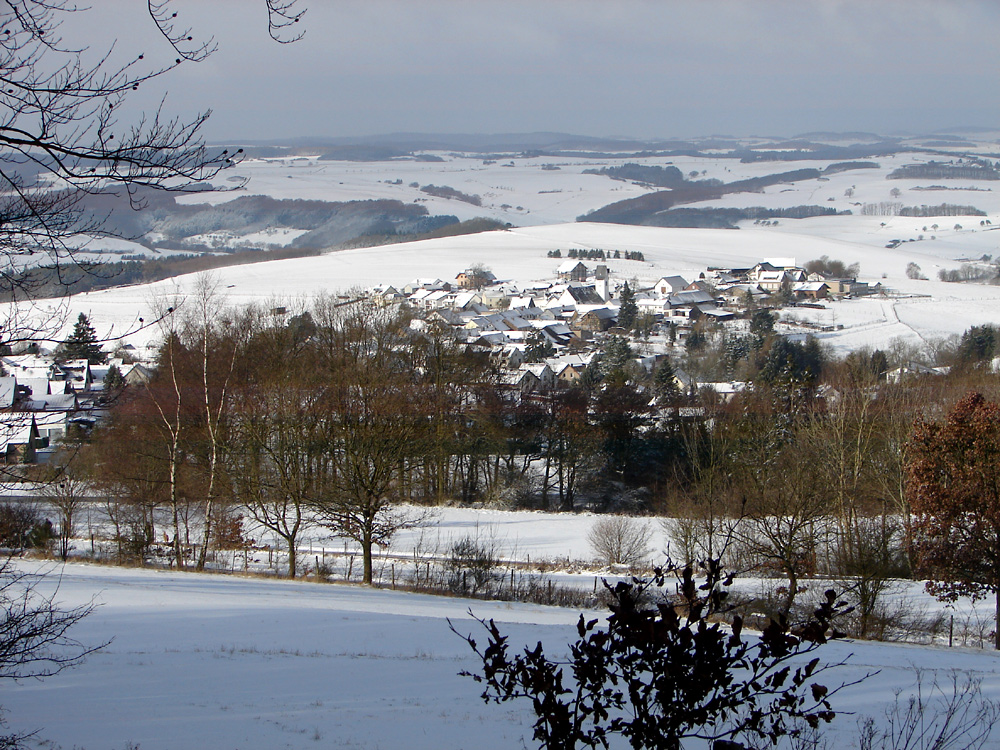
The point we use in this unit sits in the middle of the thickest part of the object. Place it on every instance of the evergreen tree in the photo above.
(879, 364)
(695, 340)
(978, 345)
(82, 343)
(615, 358)
(591, 376)
(627, 308)
(665, 383)
(114, 380)
(787, 362)
(538, 348)
(762, 322)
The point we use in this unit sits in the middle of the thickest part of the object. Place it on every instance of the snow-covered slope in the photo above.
(521, 255)
(200, 661)
(538, 190)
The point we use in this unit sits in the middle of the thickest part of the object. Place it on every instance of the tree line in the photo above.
(341, 413)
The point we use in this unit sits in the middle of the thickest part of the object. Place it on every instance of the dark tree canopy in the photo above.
(615, 359)
(762, 322)
(628, 310)
(659, 674)
(538, 347)
(978, 345)
(953, 483)
(788, 363)
(665, 383)
(833, 268)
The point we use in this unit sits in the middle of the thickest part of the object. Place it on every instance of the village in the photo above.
(543, 335)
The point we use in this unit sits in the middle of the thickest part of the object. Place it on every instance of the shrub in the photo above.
(660, 674)
(620, 540)
(935, 717)
(473, 565)
(21, 527)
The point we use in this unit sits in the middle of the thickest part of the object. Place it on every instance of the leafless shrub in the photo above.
(888, 615)
(699, 532)
(974, 630)
(512, 490)
(621, 541)
(955, 716)
(22, 526)
(473, 566)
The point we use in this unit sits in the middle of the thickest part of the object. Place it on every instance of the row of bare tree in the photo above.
(337, 414)
(807, 486)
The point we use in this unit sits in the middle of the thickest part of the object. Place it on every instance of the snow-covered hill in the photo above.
(202, 661)
(521, 255)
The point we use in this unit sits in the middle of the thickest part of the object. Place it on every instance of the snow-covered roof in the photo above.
(538, 369)
(8, 386)
(53, 402)
(673, 284)
(771, 276)
(690, 298)
(42, 386)
(569, 265)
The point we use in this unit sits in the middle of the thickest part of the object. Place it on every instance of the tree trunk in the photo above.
(545, 479)
(206, 533)
(291, 557)
(366, 553)
(175, 505)
(996, 613)
(793, 589)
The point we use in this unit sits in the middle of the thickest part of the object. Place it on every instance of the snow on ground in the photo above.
(531, 191)
(876, 322)
(542, 196)
(523, 191)
(521, 255)
(266, 238)
(213, 661)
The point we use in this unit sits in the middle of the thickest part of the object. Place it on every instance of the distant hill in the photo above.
(322, 224)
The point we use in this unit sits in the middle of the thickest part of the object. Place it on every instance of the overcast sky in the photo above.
(608, 67)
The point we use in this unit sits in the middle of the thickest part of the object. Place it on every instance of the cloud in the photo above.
(639, 67)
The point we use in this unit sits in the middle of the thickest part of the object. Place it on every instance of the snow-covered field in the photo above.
(226, 662)
(201, 661)
(542, 203)
(521, 255)
(532, 191)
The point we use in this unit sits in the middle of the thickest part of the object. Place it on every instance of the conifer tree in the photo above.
(665, 383)
(627, 308)
(615, 359)
(114, 381)
(538, 347)
(83, 343)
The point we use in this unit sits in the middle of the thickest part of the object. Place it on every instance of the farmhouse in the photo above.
(572, 270)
